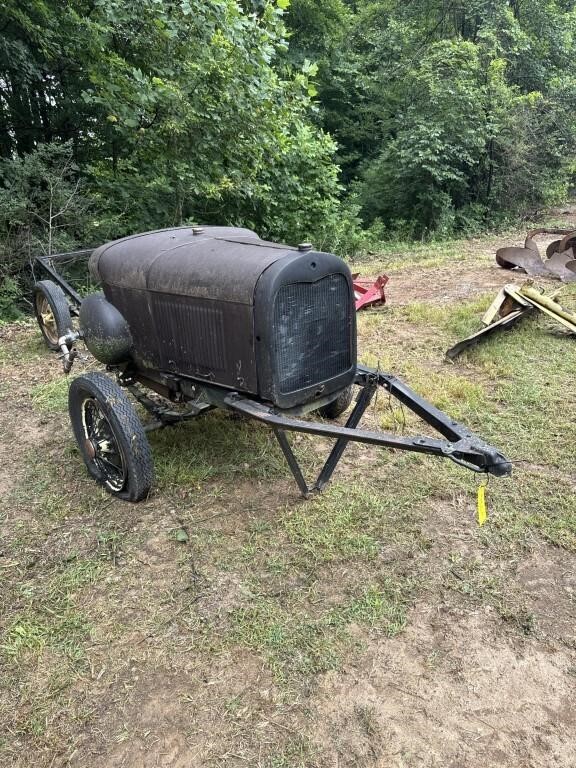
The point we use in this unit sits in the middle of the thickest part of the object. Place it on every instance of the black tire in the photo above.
(338, 406)
(52, 312)
(110, 436)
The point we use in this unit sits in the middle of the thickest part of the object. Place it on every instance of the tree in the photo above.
(450, 115)
(174, 108)
(43, 209)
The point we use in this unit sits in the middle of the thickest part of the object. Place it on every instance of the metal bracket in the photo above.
(459, 444)
(362, 402)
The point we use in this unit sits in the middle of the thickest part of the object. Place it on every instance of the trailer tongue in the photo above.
(458, 445)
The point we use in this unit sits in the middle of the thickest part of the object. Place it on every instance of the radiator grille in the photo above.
(312, 332)
(191, 332)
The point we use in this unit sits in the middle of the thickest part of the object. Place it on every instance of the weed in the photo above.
(380, 605)
(474, 579)
(298, 752)
(50, 618)
(36, 630)
(214, 447)
(367, 719)
(298, 644)
(51, 396)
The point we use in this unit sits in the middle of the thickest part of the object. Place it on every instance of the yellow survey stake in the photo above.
(482, 513)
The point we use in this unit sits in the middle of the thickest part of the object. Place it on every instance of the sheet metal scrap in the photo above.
(560, 262)
(512, 303)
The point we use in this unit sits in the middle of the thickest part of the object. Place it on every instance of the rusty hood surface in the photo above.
(222, 263)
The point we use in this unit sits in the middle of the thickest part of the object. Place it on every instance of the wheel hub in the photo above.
(98, 447)
(47, 318)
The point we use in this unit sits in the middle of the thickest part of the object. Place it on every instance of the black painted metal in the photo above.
(301, 277)
(364, 400)
(292, 461)
(104, 330)
(311, 332)
(430, 414)
(221, 305)
(461, 446)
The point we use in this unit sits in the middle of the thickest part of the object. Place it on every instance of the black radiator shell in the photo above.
(309, 269)
(201, 303)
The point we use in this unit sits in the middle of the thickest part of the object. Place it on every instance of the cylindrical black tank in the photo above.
(104, 330)
(221, 305)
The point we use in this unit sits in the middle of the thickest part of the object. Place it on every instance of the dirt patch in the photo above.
(452, 691)
(446, 284)
(548, 579)
(471, 275)
(201, 713)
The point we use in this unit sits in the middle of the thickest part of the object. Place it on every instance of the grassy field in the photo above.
(227, 622)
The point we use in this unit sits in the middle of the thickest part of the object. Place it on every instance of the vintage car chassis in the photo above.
(455, 441)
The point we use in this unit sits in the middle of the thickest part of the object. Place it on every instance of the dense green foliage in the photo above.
(307, 119)
(449, 115)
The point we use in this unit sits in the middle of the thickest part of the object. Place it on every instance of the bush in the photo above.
(10, 294)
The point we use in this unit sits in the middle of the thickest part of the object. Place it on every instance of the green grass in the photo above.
(326, 531)
(473, 578)
(456, 321)
(50, 619)
(51, 396)
(297, 753)
(25, 343)
(35, 631)
(347, 523)
(214, 446)
(57, 486)
(399, 254)
(296, 644)
(322, 552)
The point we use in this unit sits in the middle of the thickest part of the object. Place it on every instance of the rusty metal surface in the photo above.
(567, 242)
(559, 265)
(525, 258)
(504, 322)
(560, 262)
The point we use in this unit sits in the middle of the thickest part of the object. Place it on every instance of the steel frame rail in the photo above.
(46, 263)
(459, 444)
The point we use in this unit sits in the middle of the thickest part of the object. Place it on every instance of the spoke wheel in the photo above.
(52, 312)
(47, 319)
(110, 437)
(102, 445)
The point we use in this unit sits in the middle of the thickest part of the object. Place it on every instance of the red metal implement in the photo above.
(367, 292)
